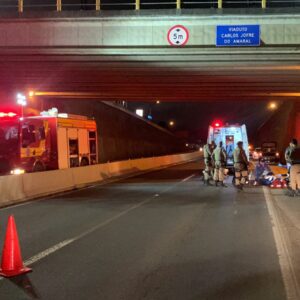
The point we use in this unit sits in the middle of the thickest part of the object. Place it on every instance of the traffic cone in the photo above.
(12, 264)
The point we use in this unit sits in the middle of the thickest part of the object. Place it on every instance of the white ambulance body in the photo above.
(230, 135)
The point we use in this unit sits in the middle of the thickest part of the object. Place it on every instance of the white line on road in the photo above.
(64, 243)
(285, 261)
(188, 178)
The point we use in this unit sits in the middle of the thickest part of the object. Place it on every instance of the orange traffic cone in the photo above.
(12, 264)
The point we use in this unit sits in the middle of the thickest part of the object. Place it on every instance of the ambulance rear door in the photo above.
(245, 140)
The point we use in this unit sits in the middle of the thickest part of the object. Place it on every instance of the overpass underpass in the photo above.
(163, 234)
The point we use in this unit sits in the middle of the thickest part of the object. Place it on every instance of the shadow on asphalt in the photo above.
(23, 282)
(227, 277)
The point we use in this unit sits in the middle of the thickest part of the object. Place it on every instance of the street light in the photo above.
(157, 102)
(171, 123)
(273, 105)
(31, 93)
(21, 100)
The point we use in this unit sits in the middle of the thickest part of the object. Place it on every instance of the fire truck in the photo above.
(46, 142)
(229, 135)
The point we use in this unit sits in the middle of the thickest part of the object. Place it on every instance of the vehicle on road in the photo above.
(229, 135)
(256, 153)
(46, 142)
(270, 152)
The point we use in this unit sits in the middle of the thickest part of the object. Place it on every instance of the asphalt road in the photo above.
(161, 235)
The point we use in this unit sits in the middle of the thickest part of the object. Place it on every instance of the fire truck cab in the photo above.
(46, 142)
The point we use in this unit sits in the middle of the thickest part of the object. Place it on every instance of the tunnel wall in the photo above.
(280, 127)
(122, 135)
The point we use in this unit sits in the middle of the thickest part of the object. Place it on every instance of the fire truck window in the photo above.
(9, 133)
(73, 147)
(93, 154)
(73, 150)
(28, 135)
(93, 147)
(92, 134)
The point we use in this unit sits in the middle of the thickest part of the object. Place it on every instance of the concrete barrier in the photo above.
(11, 188)
(39, 184)
(18, 188)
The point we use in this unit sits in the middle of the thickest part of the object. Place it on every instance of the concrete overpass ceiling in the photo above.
(174, 79)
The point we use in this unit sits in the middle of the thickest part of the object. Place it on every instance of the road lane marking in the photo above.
(47, 252)
(188, 178)
(285, 260)
(67, 242)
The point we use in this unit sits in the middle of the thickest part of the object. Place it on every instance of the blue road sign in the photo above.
(237, 35)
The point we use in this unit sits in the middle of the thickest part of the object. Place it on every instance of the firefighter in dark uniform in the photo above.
(289, 153)
(292, 157)
(240, 165)
(207, 153)
(219, 157)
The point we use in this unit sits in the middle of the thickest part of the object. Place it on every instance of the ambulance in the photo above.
(230, 135)
(46, 142)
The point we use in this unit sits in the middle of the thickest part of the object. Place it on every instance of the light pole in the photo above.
(21, 100)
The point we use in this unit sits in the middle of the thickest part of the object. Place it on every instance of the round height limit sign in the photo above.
(178, 35)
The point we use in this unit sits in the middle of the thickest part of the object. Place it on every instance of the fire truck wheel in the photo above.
(38, 167)
(84, 162)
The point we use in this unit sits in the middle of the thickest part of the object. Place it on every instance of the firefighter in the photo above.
(294, 181)
(207, 153)
(289, 152)
(293, 165)
(240, 165)
(219, 158)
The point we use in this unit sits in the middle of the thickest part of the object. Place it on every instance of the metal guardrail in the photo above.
(59, 5)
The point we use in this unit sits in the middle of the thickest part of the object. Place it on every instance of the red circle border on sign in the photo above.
(183, 28)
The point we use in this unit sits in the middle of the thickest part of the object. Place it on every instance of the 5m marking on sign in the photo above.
(178, 35)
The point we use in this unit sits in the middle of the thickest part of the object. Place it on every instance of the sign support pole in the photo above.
(58, 5)
(178, 4)
(263, 3)
(220, 3)
(20, 6)
(137, 4)
(98, 5)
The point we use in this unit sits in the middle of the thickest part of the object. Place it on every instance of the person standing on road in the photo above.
(294, 180)
(219, 158)
(292, 157)
(207, 153)
(289, 153)
(240, 165)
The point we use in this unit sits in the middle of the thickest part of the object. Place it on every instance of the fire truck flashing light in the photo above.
(9, 114)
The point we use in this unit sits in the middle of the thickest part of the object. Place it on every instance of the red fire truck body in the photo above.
(39, 143)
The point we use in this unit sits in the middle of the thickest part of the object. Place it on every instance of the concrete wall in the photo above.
(137, 30)
(280, 127)
(19, 188)
(122, 135)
